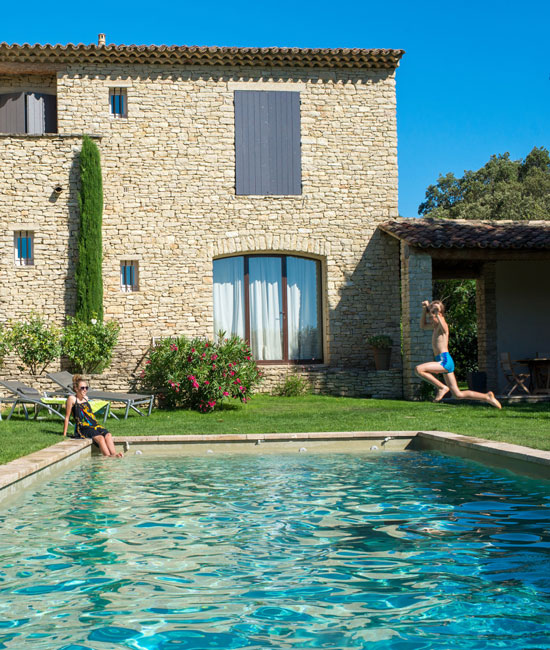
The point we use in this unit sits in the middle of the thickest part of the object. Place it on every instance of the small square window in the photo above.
(24, 248)
(129, 276)
(118, 102)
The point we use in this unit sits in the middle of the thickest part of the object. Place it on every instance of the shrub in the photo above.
(36, 343)
(5, 344)
(200, 374)
(292, 386)
(380, 341)
(89, 279)
(89, 346)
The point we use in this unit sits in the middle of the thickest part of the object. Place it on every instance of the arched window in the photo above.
(273, 301)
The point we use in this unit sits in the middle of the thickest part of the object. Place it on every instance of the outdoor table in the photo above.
(539, 369)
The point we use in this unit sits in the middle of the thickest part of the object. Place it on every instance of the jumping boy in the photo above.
(432, 319)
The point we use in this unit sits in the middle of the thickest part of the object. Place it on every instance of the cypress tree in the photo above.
(89, 278)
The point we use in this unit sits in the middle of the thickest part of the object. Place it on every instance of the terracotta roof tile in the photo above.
(450, 233)
(194, 55)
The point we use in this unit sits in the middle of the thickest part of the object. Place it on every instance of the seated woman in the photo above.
(86, 424)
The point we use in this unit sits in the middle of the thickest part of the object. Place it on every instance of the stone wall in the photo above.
(416, 286)
(170, 205)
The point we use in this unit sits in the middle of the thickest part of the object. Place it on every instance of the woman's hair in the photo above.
(77, 379)
(438, 303)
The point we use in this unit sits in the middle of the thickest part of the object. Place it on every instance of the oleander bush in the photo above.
(200, 374)
(89, 346)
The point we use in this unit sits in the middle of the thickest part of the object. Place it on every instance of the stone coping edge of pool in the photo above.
(524, 460)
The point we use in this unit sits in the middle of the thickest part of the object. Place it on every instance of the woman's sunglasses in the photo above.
(83, 387)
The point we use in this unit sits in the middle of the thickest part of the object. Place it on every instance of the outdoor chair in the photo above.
(24, 395)
(130, 400)
(515, 379)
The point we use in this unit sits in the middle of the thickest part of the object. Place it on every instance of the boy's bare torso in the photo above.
(440, 339)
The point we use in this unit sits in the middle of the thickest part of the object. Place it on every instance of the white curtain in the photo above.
(304, 340)
(229, 296)
(265, 307)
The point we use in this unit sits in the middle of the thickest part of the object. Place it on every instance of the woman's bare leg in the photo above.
(111, 446)
(470, 394)
(103, 448)
(427, 371)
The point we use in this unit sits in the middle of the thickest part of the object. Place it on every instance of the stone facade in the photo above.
(416, 286)
(170, 204)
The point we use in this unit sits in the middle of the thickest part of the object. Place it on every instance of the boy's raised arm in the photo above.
(425, 325)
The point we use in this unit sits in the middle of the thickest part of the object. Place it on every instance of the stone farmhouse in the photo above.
(243, 190)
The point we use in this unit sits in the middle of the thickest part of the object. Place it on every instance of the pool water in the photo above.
(388, 550)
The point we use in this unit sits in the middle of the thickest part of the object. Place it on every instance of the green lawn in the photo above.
(525, 424)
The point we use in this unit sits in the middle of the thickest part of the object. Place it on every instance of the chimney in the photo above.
(101, 39)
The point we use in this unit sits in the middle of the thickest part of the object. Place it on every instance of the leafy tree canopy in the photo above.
(501, 189)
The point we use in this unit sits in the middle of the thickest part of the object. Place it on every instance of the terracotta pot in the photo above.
(382, 358)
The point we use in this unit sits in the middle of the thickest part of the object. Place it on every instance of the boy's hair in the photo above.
(76, 380)
(438, 303)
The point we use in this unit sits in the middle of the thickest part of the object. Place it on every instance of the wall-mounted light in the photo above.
(57, 189)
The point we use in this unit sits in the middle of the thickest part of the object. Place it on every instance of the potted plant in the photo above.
(381, 349)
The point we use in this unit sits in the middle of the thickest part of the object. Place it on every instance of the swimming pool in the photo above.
(394, 550)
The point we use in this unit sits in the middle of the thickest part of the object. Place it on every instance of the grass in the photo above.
(525, 424)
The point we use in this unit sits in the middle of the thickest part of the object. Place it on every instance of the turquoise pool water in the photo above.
(392, 550)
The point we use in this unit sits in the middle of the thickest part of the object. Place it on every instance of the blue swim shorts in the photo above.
(446, 361)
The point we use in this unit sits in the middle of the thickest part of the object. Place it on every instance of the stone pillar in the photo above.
(486, 304)
(416, 286)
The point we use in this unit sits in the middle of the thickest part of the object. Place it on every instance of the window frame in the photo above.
(284, 305)
(125, 287)
(28, 260)
(123, 94)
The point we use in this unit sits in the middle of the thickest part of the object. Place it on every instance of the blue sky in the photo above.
(475, 79)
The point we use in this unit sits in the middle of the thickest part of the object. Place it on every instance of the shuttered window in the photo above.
(33, 113)
(24, 248)
(129, 276)
(118, 103)
(267, 142)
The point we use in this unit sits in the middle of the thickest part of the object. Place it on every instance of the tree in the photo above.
(89, 278)
(501, 189)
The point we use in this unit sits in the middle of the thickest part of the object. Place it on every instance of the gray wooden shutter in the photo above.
(12, 113)
(267, 142)
(41, 113)
(35, 113)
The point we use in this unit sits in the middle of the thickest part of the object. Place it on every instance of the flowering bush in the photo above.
(89, 346)
(200, 374)
(36, 343)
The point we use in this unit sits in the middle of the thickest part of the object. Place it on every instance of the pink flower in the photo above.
(203, 355)
(214, 357)
(191, 377)
(192, 349)
(231, 365)
(237, 381)
(248, 358)
(213, 366)
(148, 362)
(189, 358)
(174, 347)
(206, 383)
(232, 373)
(206, 345)
(226, 394)
(242, 388)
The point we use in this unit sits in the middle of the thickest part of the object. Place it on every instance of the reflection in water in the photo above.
(389, 551)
